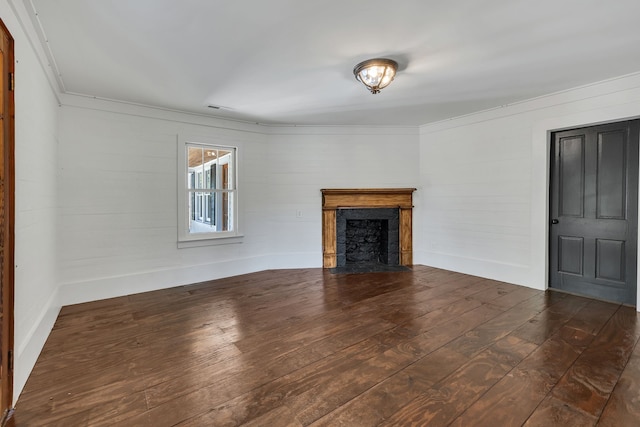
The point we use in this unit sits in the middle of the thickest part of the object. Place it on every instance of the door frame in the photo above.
(540, 180)
(8, 284)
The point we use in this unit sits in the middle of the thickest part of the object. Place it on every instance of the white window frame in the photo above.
(185, 238)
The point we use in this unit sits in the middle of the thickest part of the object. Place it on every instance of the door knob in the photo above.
(554, 221)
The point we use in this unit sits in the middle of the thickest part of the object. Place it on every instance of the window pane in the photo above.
(213, 169)
(202, 163)
(211, 211)
(202, 212)
(224, 178)
(227, 211)
(194, 161)
(226, 170)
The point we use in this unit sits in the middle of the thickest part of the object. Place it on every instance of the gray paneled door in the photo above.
(594, 211)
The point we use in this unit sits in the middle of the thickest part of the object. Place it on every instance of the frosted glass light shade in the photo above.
(376, 74)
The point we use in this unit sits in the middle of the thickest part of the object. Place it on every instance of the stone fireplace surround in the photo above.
(354, 200)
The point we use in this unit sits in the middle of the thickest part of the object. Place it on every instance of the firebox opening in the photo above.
(367, 237)
(367, 241)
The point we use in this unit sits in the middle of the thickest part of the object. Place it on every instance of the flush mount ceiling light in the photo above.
(376, 74)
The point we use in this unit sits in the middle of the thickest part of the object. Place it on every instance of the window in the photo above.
(207, 191)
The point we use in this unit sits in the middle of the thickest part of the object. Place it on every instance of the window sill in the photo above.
(213, 241)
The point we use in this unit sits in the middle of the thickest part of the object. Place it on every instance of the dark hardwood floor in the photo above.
(307, 347)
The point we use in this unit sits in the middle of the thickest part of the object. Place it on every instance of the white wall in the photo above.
(304, 160)
(118, 204)
(36, 304)
(484, 181)
(118, 201)
(474, 209)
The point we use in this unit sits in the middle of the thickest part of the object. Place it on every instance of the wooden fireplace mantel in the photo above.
(345, 198)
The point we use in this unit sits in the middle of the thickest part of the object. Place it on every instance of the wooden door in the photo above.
(6, 223)
(594, 211)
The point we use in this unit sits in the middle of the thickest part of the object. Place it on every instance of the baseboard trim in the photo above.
(28, 352)
(286, 261)
(510, 273)
(117, 286)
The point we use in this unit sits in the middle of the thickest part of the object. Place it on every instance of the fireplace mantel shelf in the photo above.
(357, 198)
(367, 190)
(342, 198)
(333, 208)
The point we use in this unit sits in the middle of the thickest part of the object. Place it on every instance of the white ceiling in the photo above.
(291, 61)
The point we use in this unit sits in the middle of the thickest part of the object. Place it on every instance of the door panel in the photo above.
(610, 258)
(571, 254)
(572, 176)
(611, 188)
(593, 207)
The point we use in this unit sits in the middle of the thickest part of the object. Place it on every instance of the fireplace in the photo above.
(378, 222)
(367, 236)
